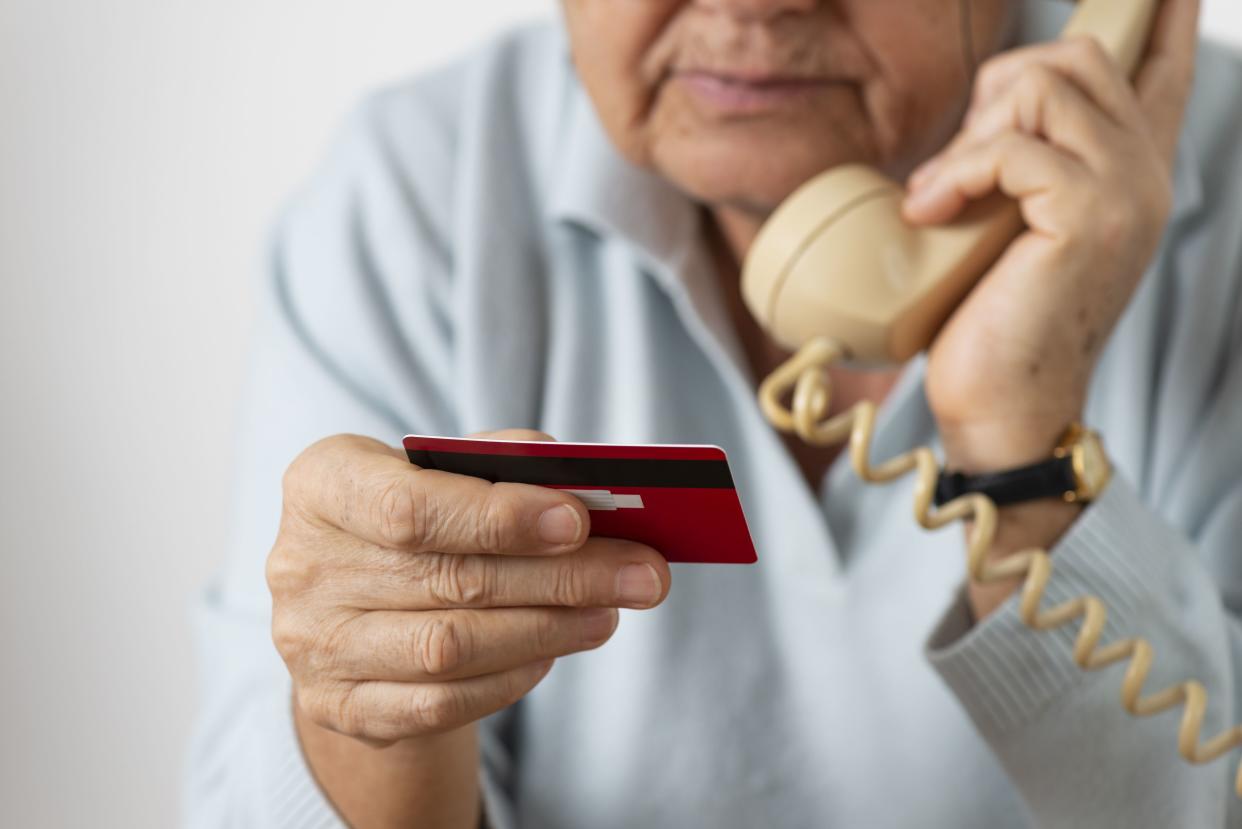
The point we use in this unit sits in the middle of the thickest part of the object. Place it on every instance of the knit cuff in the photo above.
(1005, 673)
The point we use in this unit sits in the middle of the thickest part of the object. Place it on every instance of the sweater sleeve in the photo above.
(354, 335)
(1165, 559)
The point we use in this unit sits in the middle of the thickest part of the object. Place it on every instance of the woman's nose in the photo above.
(757, 10)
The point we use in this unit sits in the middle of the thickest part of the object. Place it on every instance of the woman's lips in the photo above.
(739, 95)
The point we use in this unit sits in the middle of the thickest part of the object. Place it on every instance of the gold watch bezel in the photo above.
(1092, 469)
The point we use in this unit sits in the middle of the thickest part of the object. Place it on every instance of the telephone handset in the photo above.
(837, 259)
(837, 274)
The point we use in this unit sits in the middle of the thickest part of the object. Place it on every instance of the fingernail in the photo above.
(638, 584)
(560, 525)
(597, 624)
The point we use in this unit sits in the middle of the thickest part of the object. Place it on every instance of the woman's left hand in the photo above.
(1088, 155)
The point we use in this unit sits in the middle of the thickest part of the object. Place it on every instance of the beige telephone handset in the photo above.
(836, 273)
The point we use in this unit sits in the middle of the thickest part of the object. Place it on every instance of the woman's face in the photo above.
(738, 102)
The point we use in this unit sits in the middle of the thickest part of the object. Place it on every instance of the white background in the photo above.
(144, 147)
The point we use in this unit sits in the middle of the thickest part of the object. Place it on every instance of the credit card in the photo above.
(677, 499)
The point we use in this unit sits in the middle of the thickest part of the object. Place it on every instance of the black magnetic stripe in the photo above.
(610, 472)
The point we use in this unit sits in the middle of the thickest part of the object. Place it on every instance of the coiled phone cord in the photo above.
(806, 373)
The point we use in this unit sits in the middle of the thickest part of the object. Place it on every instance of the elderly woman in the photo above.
(548, 237)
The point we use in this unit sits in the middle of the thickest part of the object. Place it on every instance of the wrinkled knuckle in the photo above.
(343, 708)
(289, 574)
(289, 637)
(458, 581)
(570, 587)
(425, 570)
(326, 648)
(433, 709)
(352, 718)
(400, 514)
(482, 582)
(443, 646)
(497, 522)
(277, 571)
(321, 706)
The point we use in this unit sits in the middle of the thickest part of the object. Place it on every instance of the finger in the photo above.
(605, 572)
(1042, 103)
(385, 712)
(1019, 165)
(1082, 60)
(369, 491)
(1045, 103)
(436, 646)
(1164, 80)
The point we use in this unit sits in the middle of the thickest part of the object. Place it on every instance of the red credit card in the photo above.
(678, 499)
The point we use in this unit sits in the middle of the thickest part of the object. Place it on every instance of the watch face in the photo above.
(1091, 466)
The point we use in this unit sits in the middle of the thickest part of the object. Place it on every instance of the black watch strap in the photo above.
(1045, 479)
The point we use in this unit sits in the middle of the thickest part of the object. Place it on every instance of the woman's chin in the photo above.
(743, 178)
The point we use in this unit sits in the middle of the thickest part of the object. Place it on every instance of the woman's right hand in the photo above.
(410, 602)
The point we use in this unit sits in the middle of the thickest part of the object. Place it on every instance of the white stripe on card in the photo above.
(605, 500)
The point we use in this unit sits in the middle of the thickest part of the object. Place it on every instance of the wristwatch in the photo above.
(1077, 472)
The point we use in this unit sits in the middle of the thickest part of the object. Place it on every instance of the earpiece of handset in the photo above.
(837, 259)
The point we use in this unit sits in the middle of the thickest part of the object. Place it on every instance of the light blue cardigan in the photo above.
(474, 255)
